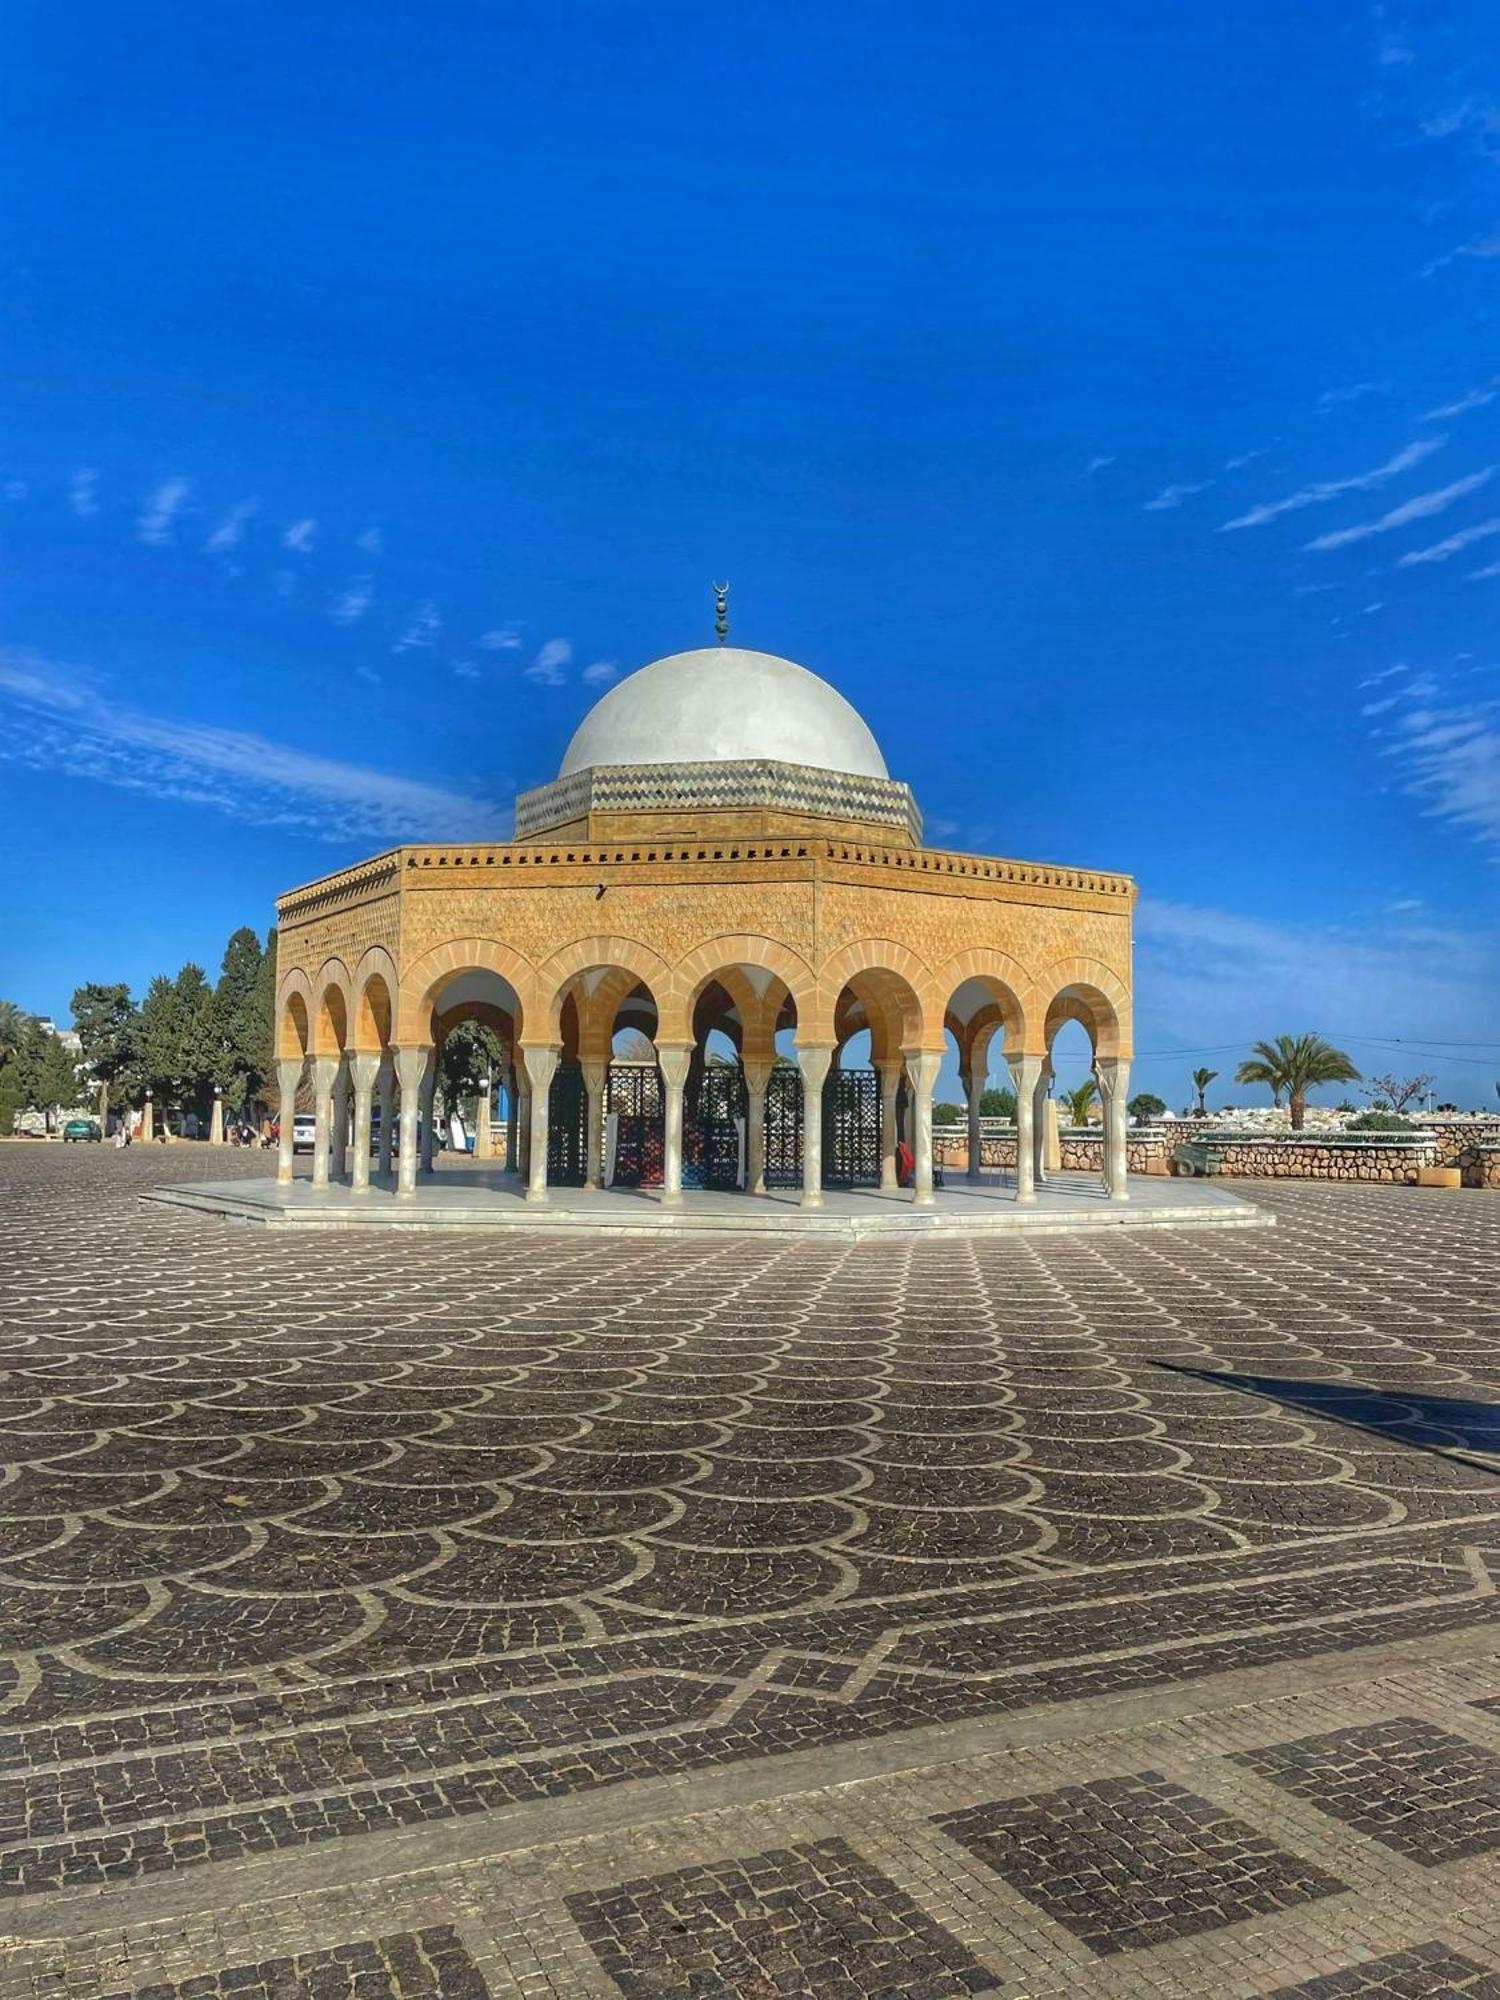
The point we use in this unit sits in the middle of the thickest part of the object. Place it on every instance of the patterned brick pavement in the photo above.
(935, 1612)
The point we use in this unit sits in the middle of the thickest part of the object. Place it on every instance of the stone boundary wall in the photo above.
(1323, 1156)
(1480, 1165)
(1451, 1136)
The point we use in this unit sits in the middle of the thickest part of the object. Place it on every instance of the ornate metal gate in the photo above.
(634, 1099)
(567, 1127)
(851, 1128)
(784, 1128)
(711, 1136)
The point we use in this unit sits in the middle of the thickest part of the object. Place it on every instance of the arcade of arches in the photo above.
(798, 962)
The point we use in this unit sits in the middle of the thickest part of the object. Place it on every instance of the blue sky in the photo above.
(1106, 398)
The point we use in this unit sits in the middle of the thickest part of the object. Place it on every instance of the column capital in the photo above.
(541, 1060)
(814, 1059)
(1113, 1073)
(675, 1059)
(757, 1071)
(411, 1064)
(922, 1066)
(364, 1068)
(1026, 1072)
(325, 1070)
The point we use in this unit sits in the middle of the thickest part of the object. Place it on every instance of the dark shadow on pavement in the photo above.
(1450, 1424)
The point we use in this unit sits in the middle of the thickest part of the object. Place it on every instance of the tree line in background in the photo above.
(183, 1038)
(1290, 1067)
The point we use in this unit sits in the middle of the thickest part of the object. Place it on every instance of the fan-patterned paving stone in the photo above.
(305, 1539)
(813, 1919)
(1430, 1971)
(1429, 1794)
(1132, 1862)
(427, 1965)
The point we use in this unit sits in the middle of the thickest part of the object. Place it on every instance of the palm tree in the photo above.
(1080, 1102)
(13, 1026)
(1202, 1078)
(1296, 1064)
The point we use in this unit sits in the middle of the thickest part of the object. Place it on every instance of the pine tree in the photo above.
(108, 1025)
(236, 1008)
(57, 1083)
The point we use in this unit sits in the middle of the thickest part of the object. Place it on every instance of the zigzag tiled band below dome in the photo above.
(757, 781)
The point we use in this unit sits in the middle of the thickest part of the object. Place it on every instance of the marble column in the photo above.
(411, 1068)
(512, 1122)
(1044, 1123)
(288, 1076)
(922, 1066)
(594, 1077)
(387, 1090)
(675, 1063)
(890, 1122)
(484, 1141)
(757, 1082)
(216, 1124)
(974, 1076)
(364, 1070)
(427, 1098)
(339, 1140)
(1026, 1074)
(541, 1062)
(325, 1072)
(814, 1064)
(1114, 1087)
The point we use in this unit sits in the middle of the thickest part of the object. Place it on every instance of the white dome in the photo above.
(722, 704)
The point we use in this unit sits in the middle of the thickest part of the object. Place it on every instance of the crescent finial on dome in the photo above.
(721, 612)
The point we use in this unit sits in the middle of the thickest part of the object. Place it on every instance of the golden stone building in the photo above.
(723, 848)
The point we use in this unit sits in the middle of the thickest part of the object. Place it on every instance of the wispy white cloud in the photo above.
(1483, 246)
(1441, 551)
(1478, 575)
(83, 492)
(162, 508)
(1385, 674)
(504, 639)
(1475, 118)
(465, 670)
(1333, 399)
(1321, 490)
(1420, 509)
(16, 489)
(231, 530)
(352, 603)
(1474, 400)
(59, 720)
(1435, 981)
(300, 537)
(1246, 458)
(551, 663)
(1173, 496)
(372, 542)
(1394, 49)
(426, 623)
(1449, 757)
(1098, 462)
(600, 672)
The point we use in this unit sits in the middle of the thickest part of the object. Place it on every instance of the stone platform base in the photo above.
(464, 1196)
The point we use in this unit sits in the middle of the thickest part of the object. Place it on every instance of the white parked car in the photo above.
(304, 1132)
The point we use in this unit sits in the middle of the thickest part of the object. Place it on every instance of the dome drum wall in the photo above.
(737, 796)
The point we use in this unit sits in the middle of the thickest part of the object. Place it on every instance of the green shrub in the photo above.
(1379, 1121)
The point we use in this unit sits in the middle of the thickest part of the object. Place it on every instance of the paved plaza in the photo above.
(1098, 1614)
